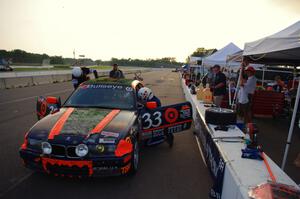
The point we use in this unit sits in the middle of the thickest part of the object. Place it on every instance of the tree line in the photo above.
(201, 52)
(23, 57)
(166, 62)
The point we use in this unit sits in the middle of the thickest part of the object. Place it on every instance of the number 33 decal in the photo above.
(155, 122)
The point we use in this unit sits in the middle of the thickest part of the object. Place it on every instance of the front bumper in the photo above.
(94, 167)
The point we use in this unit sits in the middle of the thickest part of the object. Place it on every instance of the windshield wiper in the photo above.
(73, 106)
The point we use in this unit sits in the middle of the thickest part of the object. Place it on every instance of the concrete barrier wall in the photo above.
(61, 78)
(2, 84)
(46, 79)
(16, 82)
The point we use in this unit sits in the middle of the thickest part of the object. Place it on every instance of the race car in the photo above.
(97, 131)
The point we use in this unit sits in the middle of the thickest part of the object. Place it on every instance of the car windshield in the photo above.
(102, 96)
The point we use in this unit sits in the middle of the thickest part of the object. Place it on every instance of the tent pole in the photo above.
(263, 76)
(237, 87)
(294, 77)
(229, 77)
(289, 138)
(229, 87)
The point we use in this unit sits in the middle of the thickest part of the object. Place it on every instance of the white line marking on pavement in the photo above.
(22, 179)
(28, 98)
(202, 156)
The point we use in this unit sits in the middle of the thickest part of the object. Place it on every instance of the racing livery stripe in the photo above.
(102, 124)
(167, 125)
(60, 123)
(69, 163)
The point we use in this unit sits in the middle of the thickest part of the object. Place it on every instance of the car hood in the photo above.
(77, 124)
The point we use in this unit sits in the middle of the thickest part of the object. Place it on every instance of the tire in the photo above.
(135, 159)
(220, 116)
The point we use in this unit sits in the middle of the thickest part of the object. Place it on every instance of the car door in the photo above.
(46, 106)
(167, 119)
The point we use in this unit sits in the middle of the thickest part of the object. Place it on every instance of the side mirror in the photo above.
(151, 105)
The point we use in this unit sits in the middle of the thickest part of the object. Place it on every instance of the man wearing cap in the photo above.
(246, 92)
(116, 73)
(218, 85)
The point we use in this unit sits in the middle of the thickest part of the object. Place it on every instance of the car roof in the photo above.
(107, 80)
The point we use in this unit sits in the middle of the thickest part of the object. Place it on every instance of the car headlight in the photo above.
(46, 148)
(34, 144)
(81, 150)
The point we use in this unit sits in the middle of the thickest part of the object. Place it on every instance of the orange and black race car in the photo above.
(97, 131)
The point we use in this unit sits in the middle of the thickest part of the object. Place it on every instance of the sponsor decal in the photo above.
(185, 113)
(129, 89)
(104, 86)
(175, 129)
(106, 168)
(171, 115)
(107, 140)
(100, 148)
(185, 107)
(185, 125)
(110, 134)
(158, 133)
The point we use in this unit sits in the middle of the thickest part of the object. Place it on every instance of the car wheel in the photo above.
(135, 158)
(220, 116)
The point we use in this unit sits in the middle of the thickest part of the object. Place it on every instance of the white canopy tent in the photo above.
(280, 48)
(238, 57)
(220, 57)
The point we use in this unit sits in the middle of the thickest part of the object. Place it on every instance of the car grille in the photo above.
(58, 150)
(63, 151)
(71, 151)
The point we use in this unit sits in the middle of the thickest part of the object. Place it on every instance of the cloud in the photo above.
(290, 5)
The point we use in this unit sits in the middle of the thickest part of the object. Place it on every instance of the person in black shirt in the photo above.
(218, 86)
(116, 73)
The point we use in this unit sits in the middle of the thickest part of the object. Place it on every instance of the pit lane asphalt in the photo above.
(164, 173)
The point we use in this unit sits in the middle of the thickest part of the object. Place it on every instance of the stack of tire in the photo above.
(220, 116)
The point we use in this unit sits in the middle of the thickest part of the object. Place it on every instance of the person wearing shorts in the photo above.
(245, 95)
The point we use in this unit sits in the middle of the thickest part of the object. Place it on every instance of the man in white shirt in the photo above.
(246, 92)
